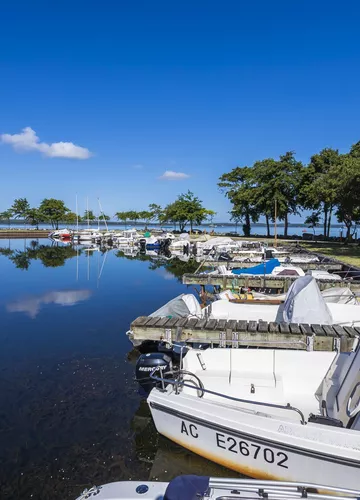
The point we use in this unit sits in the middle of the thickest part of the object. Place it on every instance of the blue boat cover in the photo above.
(187, 488)
(259, 269)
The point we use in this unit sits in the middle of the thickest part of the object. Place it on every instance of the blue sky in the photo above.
(147, 87)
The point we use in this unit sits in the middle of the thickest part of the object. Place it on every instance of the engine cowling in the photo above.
(146, 364)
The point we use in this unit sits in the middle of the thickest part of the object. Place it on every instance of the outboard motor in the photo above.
(146, 364)
(269, 254)
(224, 256)
(142, 243)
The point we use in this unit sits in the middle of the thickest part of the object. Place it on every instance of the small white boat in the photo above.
(213, 488)
(291, 415)
(128, 238)
(87, 235)
(61, 234)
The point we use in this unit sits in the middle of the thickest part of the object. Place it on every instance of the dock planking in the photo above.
(278, 283)
(244, 333)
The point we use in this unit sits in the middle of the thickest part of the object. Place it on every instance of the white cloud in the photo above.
(27, 140)
(138, 166)
(170, 175)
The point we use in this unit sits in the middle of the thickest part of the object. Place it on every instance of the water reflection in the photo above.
(73, 416)
(55, 254)
(51, 255)
(32, 305)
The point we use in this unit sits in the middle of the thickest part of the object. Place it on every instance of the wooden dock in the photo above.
(280, 284)
(244, 333)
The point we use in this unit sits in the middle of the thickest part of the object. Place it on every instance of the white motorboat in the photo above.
(61, 234)
(291, 415)
(303, 303)
(128, 238)
(211, 488)
(87, 235)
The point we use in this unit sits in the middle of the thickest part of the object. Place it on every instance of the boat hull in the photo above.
(254, 455)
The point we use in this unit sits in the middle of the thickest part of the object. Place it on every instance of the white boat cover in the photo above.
(305, 304)
(213, 242)
(339, 295)
(324, 275)
(185, 305)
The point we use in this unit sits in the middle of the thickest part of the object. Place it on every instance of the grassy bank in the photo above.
(346, 253)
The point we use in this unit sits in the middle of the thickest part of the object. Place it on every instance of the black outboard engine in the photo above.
(142, 242)
(224, 256)
(146, 364)
(269, 254)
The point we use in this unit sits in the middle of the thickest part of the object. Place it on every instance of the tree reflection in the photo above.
(49, 255)
(173, 265)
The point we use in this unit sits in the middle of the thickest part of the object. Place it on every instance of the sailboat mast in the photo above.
(77, 214)
(87, 210)
(102, 213)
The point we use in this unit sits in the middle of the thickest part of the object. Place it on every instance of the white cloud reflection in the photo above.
(32, 305)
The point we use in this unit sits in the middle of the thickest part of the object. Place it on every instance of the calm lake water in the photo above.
(70, 413)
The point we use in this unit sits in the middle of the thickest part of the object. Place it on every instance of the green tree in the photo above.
(104, 217)
(20, 207)
(133, 216)
(156, 212)
(319, 187)
(239, 186)
(122, 216)
(355, 150)
(187, 209)
(34, 216)
(53, 211)
(6, 215)
(286, 187)
(70, 218)
(145, 216)
(89, 216)
(264, 172)
(313, 220)
(347, 175)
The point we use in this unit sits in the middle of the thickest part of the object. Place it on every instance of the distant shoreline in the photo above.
(16, 222)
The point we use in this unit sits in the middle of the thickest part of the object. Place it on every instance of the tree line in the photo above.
(328, 185)
(186, 209)
(50, 211)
